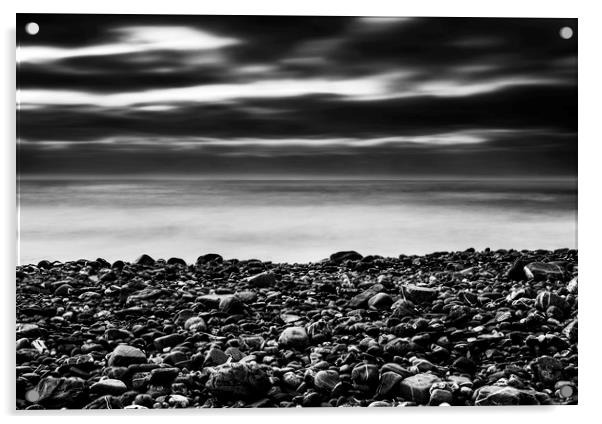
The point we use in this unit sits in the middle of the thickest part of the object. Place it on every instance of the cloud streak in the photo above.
(131, 39)
(421, 95)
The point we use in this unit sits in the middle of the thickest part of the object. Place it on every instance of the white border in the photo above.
(590, 72)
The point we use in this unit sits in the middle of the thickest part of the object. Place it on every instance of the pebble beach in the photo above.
(491, 327)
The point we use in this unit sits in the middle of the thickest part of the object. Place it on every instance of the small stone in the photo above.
(145, 260)
(177, 261)
(361, 300)
(365, 377)
(215, 357)
(548, 370)
(231, 305)
(380, 301)
(264, 279)
(169, 340)
(570, 331)
(543, 271)
(125, 355)
(294, 337)
(349, 255)
(29, 330)
(195, 325)
(105, 402)
(503, 395)
(326, 380)
(416, 388)
(403, 308)
(109, 386)
(419, 294)
(163, 376)
(178, 401)
(55, 393)
(389, 385)
(238, 380)
(439, 396)
(546, 299)
(572, 286)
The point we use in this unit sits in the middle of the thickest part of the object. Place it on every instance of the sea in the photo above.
(286, 220)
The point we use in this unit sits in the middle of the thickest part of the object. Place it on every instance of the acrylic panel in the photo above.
(295, 211)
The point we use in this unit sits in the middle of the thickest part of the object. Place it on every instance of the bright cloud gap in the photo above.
(444, 139)
(134, 39)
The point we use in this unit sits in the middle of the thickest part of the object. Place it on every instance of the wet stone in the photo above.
(109, 386)
(238, 380)
(503, 396)
(417, 387)
(124, 355)
(294, 337)
(419, 294)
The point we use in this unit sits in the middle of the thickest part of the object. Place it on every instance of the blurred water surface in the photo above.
(289, 220)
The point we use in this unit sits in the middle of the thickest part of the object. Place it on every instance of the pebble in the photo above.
(124, 355)
(417, 387)
(294, 337)
(109, 386)
(447, 328)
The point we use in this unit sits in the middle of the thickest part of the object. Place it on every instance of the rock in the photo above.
(209, 257)
(350, 255)
(365, 377)
(163, 376)
(439, 396)
(361, 300)
(419, 294)
(178, 401)
(389, 385)
(570, 331)
(195, 325)
(416, 388)
(465, 365)
(125, 355)
(177, 261)
(231, 305)
(105, 402)
(572, 286)
(292, 380)
(117, 334)
(503, 395)
(238, 380)
(145, 260)
(168, 340)
(319, 330)
(380, 301)
(548, 370)
(29, 330)
(403, 308)
(399, 346)
(326, 380)
(63, 290)
(55, 393)
(215, 357)
(546, 299)
(294, 337)
(145, 294)
(517, 270)
(264, 279)
(235, 353)
(543, 271)
(109, 386)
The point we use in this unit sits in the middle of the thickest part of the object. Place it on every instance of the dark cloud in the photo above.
(89, 78)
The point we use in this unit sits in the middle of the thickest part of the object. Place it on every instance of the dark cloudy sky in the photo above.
(304, 96)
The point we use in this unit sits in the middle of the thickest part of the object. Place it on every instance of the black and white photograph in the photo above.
(277, 211)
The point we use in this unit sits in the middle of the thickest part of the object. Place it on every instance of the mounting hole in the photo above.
(32, 28)
(566, 32)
